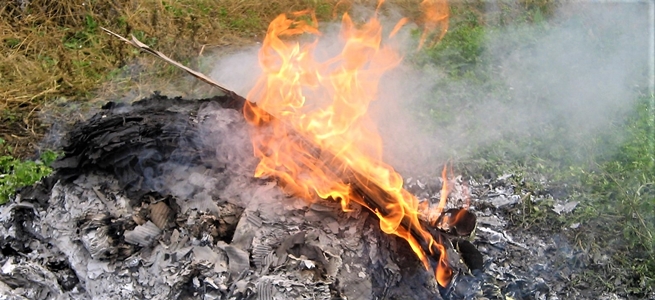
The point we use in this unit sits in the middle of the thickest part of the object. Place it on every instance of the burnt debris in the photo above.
(157, 200)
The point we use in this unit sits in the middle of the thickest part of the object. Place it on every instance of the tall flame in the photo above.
(320, 129)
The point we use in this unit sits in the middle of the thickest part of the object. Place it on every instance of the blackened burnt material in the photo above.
(133, 141)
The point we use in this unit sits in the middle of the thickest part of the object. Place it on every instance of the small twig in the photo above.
(143, 47)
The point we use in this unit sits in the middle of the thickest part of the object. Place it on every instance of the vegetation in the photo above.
(15, 173)
(611, 172)
(54, 53)
(55, 60)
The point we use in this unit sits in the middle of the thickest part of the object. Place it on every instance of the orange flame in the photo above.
(435, 21)
(443, 273)
(320, 129)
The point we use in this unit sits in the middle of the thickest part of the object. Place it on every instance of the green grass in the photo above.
(623, 190)
(460, 51)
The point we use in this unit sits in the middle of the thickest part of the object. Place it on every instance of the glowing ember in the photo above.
(324, 105)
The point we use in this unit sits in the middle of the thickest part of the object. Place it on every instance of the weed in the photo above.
(82, 38)
(15, 173)
(12, 42)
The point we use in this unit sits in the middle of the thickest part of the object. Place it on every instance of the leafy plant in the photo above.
(15, 173)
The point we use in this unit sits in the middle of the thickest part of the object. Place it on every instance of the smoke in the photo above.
(562, 82)
(238, 71)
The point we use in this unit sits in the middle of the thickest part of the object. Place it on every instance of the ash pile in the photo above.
(156, 200)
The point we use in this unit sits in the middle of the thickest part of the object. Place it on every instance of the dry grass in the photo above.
(56, 49)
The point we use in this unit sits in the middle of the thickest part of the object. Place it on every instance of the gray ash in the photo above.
(157, 200)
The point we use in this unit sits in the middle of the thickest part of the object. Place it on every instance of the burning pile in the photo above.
(313, 132)
(157, 199)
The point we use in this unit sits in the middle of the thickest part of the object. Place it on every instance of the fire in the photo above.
(435, 21)
(313, 132)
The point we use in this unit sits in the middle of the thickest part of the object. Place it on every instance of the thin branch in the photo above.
(143, 47)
